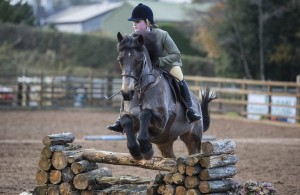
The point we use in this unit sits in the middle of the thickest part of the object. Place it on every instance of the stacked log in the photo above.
(62, 169)
(209, 172)
(66, 168)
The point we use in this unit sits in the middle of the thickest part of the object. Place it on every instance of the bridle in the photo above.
(138, 84)
(130, 76)
(136, 78)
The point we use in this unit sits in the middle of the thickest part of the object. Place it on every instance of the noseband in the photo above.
(141, 88)
(131, 76)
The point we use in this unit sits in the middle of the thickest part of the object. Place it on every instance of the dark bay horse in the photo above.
(151, 112)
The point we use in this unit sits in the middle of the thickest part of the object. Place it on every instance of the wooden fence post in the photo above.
(90, 91)
(244, 97)
(269, 92)
(298, 97)
(20, 94)
(67, 89)
(42, 89)
(52, 95)
(27, 94)
(220, 106)
(109, 88)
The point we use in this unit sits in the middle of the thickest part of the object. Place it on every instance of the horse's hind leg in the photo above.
(144, 137)
(192, 142)
(166, 149)
(132, 145)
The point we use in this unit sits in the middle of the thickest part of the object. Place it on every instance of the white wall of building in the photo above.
(73, 28)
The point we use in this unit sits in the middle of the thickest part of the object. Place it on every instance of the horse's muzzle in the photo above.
(127, 96)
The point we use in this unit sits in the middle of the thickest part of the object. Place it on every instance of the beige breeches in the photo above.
(177, 72)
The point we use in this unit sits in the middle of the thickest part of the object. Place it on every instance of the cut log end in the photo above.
(80, 182)
(58, 139)
(55, 176)
(42, 177)
(217, 147)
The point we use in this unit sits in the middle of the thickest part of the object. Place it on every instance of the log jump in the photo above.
(65, 168)
(156, 163)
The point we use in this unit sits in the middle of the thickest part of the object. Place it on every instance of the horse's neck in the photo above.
(148, 67)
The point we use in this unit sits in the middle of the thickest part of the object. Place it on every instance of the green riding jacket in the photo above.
(169, 53)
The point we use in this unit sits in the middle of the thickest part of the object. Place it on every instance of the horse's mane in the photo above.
(149, 42)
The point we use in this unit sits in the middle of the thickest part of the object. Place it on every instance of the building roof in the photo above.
(81, 13)
(172, 12)
(163, 11)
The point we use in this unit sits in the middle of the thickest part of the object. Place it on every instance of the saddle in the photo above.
(173, 83)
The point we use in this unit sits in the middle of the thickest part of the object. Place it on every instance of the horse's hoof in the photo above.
(148, 155)
(136, 154)
(137, 157)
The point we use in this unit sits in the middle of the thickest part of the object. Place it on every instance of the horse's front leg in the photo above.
(144, 137)
(132, 145)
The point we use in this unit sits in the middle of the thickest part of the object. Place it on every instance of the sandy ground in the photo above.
(266, 152)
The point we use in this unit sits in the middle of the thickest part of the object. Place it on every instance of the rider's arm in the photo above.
(170, 54)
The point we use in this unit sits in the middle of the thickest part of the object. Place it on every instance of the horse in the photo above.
(151, 112)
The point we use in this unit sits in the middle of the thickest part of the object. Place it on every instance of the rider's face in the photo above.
(139, 25)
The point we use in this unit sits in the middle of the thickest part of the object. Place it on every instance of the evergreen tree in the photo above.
(18, 13)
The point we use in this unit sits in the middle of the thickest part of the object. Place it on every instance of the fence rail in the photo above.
(59, 91)
(251, 98)
(248, 98)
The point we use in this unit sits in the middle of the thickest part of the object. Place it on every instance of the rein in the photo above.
(138, 84)
(142, 89)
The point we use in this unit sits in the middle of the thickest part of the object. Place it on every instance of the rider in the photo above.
(170, 58)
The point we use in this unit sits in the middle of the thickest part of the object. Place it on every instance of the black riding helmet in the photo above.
(141, 12)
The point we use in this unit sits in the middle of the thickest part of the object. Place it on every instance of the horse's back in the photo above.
(174, 108)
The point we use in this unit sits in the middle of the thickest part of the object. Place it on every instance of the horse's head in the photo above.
(134, 61)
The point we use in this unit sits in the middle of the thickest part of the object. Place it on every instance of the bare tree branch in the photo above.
(240, 44)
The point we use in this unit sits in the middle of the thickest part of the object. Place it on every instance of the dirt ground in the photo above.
(266, 152)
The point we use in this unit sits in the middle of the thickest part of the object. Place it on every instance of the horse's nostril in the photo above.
(128, 96)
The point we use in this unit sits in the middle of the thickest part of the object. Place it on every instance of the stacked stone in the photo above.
(208, 172)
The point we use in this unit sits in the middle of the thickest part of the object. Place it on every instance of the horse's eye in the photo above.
(138, 61)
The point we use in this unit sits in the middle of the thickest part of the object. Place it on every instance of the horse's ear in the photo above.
(140, 39)
(120, 37)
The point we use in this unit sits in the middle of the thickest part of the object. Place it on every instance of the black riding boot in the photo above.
(117, 125)
(192, 114)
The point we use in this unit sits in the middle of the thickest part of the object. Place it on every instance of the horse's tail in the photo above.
(207, 96)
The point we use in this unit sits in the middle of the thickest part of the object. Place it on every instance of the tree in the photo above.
(283, 54)
(19, 13)
(256, 39)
